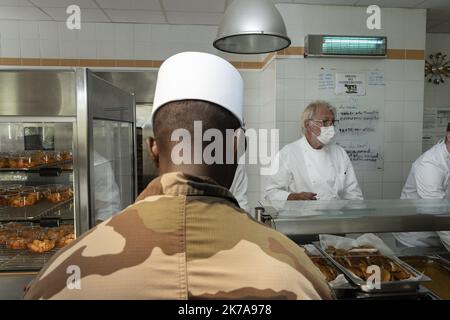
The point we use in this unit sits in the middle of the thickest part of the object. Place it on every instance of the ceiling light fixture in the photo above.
(252, 27)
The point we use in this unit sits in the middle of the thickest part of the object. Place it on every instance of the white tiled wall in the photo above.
(405, 28)
(46, 39)
(252, 116)
(437, 96)
(259, 112)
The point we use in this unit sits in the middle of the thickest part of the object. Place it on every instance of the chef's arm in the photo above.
(352, 191)
(302, 196)
(430, 182)
(430, 185)
(278, 183)
(239, 187)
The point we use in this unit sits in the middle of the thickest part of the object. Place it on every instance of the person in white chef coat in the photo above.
(239, 187)
(240, 181)
(106, 194)
(428, 179)
(313, 167)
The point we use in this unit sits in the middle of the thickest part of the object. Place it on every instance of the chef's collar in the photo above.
(179, 183)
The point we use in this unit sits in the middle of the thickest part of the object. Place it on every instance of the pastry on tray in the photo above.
(41, 246)
(358, 259)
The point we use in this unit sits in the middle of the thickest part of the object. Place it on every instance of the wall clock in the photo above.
(437, 68)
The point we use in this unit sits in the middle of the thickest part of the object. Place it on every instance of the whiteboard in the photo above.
(359, 98)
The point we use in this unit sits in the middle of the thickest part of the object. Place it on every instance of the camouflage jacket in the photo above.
(185, 237)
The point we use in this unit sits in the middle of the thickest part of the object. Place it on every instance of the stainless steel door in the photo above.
(113, 174)
(106, 117)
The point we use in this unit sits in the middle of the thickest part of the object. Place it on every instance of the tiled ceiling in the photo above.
(203, 12)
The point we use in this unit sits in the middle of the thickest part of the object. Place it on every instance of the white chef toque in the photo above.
(199, 76)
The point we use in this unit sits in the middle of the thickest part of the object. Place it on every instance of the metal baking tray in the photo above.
(437, 269)
(385, 287)
(43, 209)
(62, 164)
(341, 291)
(422, 294)
(23, 260)
(445, 257)
(320, 256)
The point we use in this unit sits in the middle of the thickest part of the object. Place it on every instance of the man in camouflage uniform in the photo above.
(185, 237)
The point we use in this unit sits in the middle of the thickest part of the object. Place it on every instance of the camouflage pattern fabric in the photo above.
(185, 237)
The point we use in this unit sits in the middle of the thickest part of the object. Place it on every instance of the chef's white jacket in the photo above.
(301, 168)
(106, 194)
(428, 179)
(239, 187)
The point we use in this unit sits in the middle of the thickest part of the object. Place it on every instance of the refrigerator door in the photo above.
(106, 116)
(113, 176)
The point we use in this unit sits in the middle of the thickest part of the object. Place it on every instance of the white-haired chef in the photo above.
(313, 167)
(428, 179)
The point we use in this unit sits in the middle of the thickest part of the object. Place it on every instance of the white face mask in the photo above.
(326, 135)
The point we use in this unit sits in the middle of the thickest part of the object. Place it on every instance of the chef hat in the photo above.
(199, 76)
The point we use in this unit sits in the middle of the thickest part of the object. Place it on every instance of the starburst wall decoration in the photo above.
(437, 68)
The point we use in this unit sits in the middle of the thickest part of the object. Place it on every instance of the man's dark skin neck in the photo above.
(185, 115)
(223, 174)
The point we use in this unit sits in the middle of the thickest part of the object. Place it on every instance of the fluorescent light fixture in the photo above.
(326, 45)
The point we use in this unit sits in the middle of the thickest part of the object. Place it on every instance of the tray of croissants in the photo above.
(368, 263)
(19, 196)
(35, 239)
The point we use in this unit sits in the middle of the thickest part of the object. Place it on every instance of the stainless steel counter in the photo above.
(299, 218)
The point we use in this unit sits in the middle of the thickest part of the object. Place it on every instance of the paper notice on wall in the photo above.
(429, 118)
(326, 80)
(428, 140)
(360, 111)
(363, 153)
(350, 84)
(435, 121)
(375, 78)
(429, 128)
(443, 118)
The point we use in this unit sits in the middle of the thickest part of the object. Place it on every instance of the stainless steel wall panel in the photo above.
(37, 93)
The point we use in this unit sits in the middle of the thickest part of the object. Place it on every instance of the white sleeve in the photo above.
(239, 187)
(278, 183)
(352, 191)
(430, 185)
(430, 181)
(107, 195)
